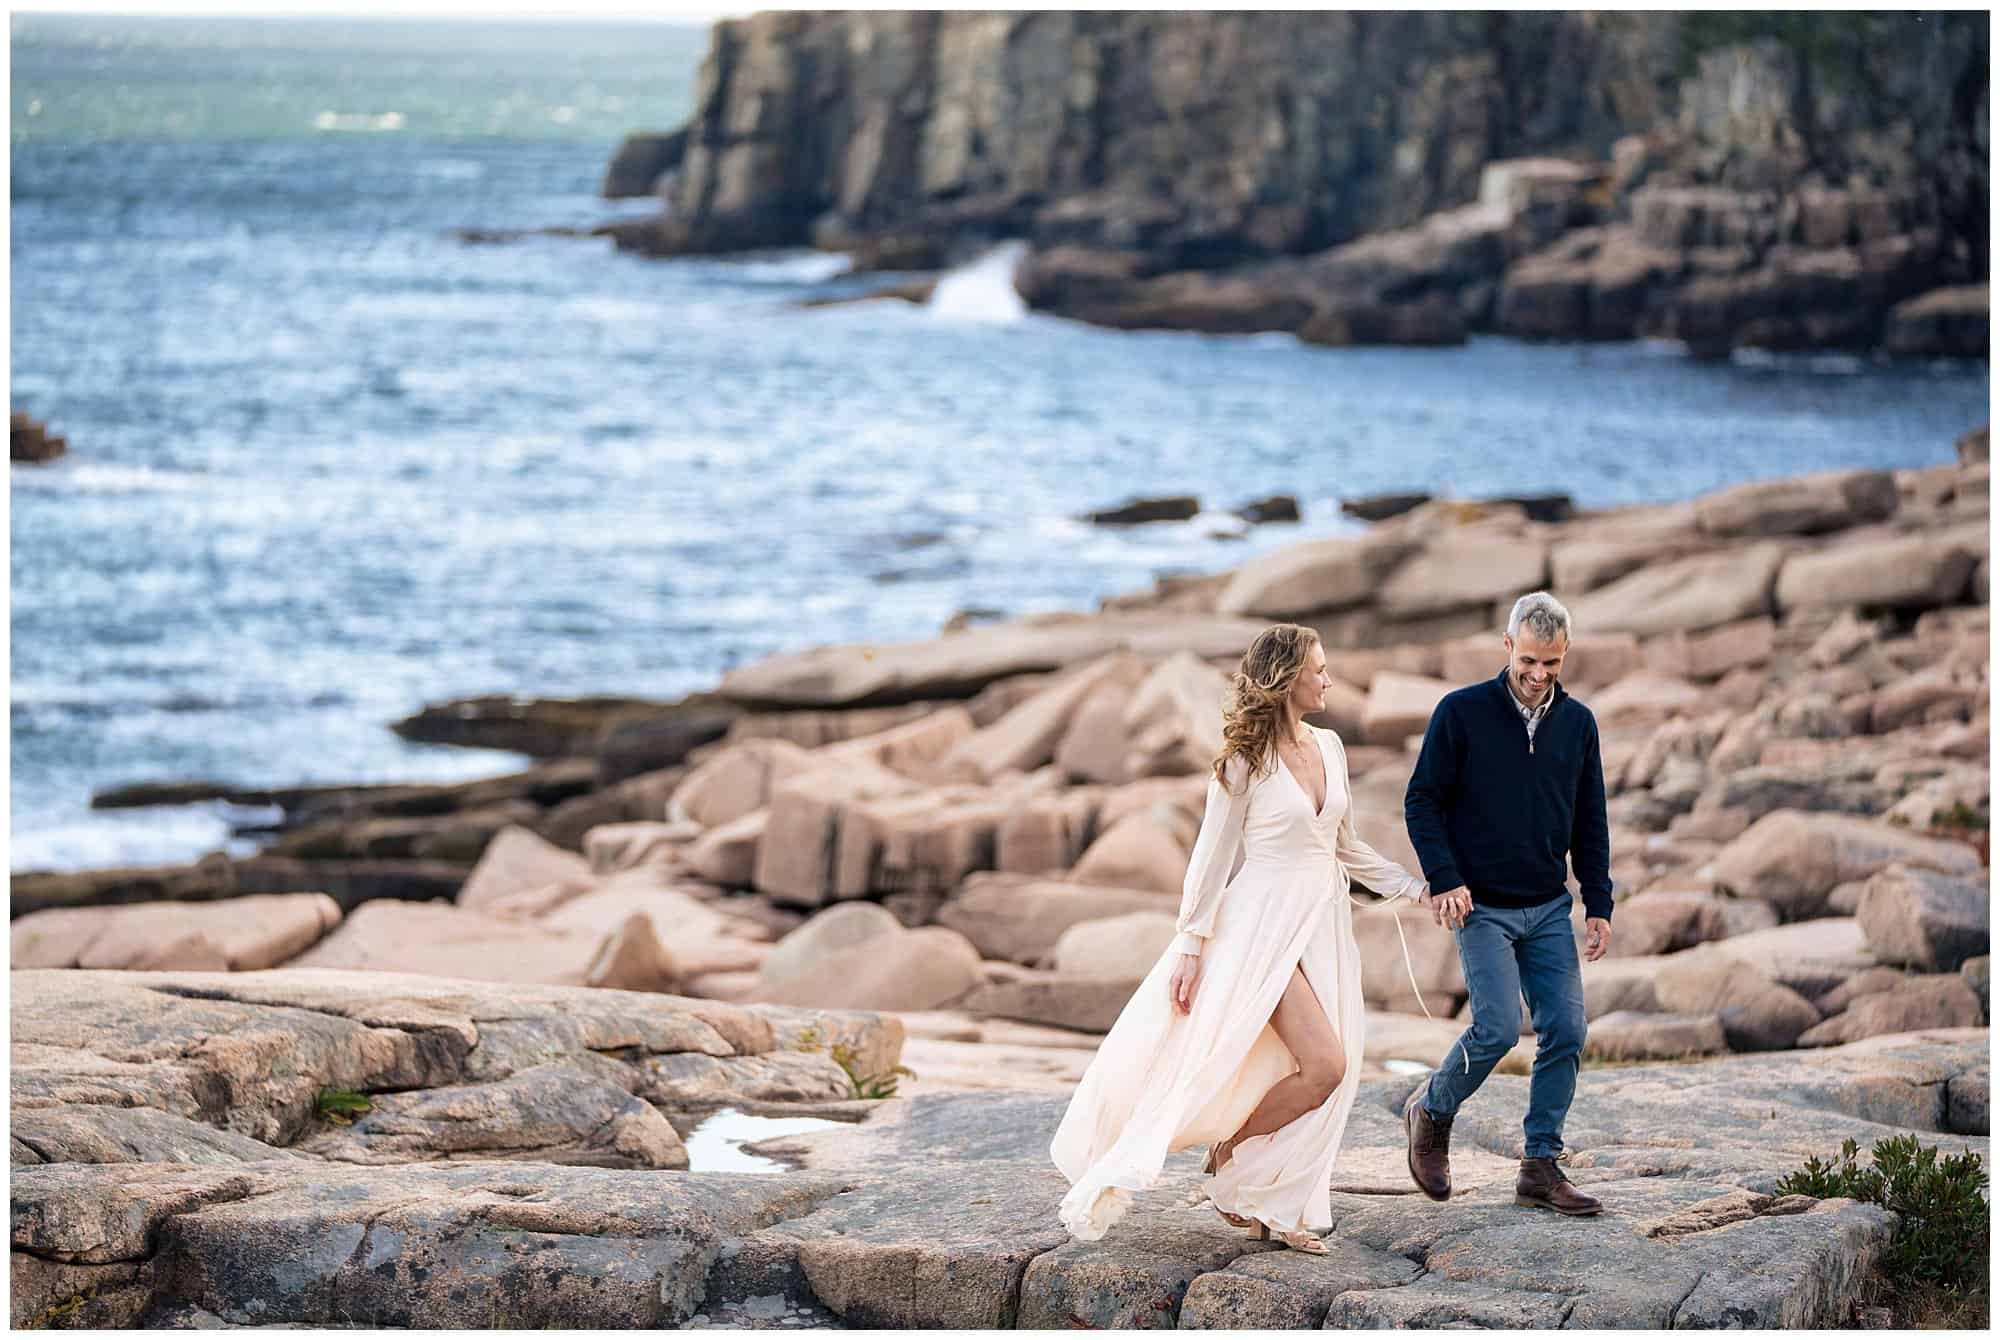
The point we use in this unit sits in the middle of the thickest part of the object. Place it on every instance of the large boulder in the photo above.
(1046, 833)
(1926, 919)
(834, 931)
(897, 969)
(728, 855)
(1978, 974)
(1713, 654)
(1687, 595)
(1026, 738)
(1854, 988)
(1466, 568)
(1969, 1102)
(561, 1113)
(1646, 695)
(1942, 1000)
(259, 930)
(917, 746)
(1798, 505)
(699, 935)
(738, 780)
(1793, 860)
(1146, 849)
(1086, 1004)
(1757, 1013)
(447, 941)
(1174, 720)
(964, 662)
(518, 861)
(1937, 693)
(1315, 575)
(1118, 947)
(1629, 1035)
(800, 855)
(1400, 706)
(636, 844)
(921, 845)
(1916, 572)
(1097, 746)
(1660, 921)
(1810, 957)
(1020, 918)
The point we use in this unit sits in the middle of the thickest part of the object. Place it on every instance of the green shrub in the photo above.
(1941, 1241)
(342, 1106)
(812, 1039)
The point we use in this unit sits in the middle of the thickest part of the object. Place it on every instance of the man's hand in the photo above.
(1596, 937)
(1180, 987)
(1449, 908)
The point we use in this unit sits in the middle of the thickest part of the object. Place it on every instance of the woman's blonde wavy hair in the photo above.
(1255, 707)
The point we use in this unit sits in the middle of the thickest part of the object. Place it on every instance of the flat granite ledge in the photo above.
(940, 1211)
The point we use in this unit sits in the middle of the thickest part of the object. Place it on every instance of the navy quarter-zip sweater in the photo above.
(1504, 818)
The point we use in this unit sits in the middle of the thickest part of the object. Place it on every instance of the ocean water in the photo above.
(329, 463)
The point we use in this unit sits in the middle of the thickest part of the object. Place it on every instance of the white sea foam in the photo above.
(67, 475)
(984, 289)
(159, 835)
(1825, 363)
(806, 267)
(364, 122)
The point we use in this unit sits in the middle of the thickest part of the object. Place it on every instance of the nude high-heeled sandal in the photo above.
(1298, 1242)
(1210, 1167)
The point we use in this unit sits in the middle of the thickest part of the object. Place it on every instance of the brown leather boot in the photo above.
(1430, 1148)
(1540, 1182)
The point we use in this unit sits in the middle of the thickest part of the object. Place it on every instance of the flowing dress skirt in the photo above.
(1162, 1081)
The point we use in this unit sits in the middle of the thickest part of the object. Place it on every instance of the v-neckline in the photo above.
(1325, 772)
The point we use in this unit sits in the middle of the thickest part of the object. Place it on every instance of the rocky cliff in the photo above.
(1774, 179)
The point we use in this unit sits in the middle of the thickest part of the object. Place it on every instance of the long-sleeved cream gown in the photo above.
(1163, 1080)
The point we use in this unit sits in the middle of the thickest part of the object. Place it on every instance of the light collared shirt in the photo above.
(1532, 716)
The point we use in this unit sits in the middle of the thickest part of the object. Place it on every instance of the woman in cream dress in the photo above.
(1248, 1031)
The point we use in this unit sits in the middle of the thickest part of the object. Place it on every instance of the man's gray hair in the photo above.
(1542, 613)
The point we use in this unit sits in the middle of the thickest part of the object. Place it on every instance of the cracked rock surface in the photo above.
(934, 1211)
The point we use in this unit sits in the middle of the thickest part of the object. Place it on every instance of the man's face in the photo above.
(1534, 664)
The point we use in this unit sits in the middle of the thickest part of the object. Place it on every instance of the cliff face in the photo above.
(1169, 167)
(1203, 138)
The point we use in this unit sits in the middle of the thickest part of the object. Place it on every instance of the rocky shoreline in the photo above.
(956, 858)
(1728, 181)
(531, 1192)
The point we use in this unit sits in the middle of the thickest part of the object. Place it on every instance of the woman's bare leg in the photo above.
(1302, 1025)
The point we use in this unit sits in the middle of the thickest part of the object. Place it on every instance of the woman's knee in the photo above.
(1322, 1075)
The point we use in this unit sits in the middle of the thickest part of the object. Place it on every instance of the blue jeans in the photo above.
(1509, 952)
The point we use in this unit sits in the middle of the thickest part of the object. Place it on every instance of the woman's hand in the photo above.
(1180, 987)
(1451, 907)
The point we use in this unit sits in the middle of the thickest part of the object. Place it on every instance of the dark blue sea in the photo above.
(330, 463)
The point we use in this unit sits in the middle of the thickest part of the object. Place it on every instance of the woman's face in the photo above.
(1308, 693)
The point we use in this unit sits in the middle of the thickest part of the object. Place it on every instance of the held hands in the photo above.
(1596, 938)
(1180, 987)
(1450, 907)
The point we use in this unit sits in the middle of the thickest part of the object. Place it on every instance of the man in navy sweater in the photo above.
(1508, 791)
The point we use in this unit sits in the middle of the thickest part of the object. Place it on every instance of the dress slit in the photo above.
(1162, 1081)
